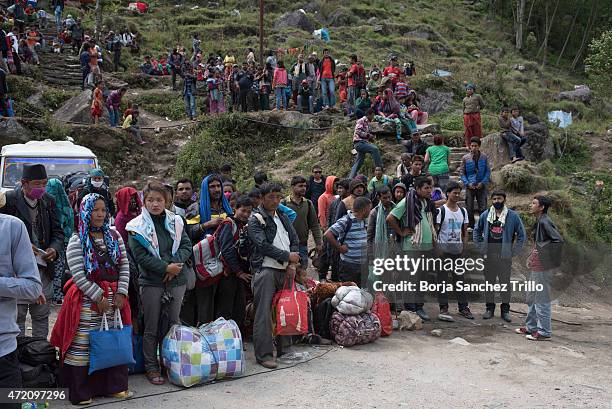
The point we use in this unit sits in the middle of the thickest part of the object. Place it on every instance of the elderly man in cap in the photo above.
(36, 209)
(472, 104)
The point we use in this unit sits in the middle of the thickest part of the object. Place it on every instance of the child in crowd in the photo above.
(97, 102)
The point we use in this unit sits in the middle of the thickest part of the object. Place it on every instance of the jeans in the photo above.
(264, 101)
(480, 196)
(497, 267)
(190, 105)
(85, 72)
(363, 147)
(244, 107)
(266, 282)
(113, 116)
(352, 97)
(514, 144)
(328, 86)
(539, 311)
(442, 275)
(303, 250)
(135, 130)
(281, 97)
(58, 18)
(151, 309)
(300, 104)
(10, 375)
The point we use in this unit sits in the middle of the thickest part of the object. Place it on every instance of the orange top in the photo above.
(98, 98)
(327, 69)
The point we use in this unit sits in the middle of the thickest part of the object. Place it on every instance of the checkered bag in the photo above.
(225, 342)
(187, 357)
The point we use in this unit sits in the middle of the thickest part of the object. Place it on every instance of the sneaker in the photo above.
(421, 313)
(506, 316)
(523, 331)
(487, 315)
(466, 313)
(444, 315)
(537, 336)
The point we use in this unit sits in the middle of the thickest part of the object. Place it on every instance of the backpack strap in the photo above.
(349, 224)
(442, 215)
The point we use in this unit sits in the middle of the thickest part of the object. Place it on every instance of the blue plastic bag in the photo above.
(139, 366)
(110, 347)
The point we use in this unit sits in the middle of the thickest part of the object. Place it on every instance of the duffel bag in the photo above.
(225, 343)
(39, 376)
(322, 317)
(349, 330)
(186, 357)
(35, 351)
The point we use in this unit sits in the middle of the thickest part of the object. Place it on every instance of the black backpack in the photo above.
(39, 376)
(35, 351)
(321, 318)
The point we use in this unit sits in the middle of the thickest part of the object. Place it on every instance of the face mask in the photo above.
(97, 184)
(498, 205)
(227, 195)
(37, 192)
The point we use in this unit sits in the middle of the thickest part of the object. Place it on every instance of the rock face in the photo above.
(580, 94)
(539, 146)
(340, 18)
(99, 138)
(434, 101)
(294, 19)
(12, 131)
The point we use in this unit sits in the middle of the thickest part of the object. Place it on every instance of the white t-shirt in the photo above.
(449, 236)
(281, 241)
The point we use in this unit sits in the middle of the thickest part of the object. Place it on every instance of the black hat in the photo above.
(34, 172)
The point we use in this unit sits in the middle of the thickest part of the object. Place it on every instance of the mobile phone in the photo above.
(41, 251)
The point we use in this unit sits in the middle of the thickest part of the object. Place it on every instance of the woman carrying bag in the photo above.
(160, 246)
(100, 272)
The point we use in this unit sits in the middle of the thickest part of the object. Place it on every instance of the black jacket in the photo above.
(333, 66)
(420, 147)
(548, 242)
(227, 238)
(263, 236)
(53, 235)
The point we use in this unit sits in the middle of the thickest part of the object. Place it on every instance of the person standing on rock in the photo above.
(499, 235)
(544, 257)
(362, 138)
(84, 61)
(327, 73)
(472, 105)
(77, 33)
(97, 102)
(475, 174)
(113, 102)
(189, 90)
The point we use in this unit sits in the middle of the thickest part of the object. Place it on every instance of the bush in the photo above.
(598, 65)
(55, 98)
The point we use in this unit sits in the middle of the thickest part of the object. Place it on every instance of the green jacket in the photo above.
(153, 269)
(305, 221)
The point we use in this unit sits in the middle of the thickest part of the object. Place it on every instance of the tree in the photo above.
(520, 15)
(598, 64)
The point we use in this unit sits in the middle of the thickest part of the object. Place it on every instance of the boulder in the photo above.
(99, 138)
(339, 18)
(293, 19)
(538, 147)
(372, 20)
(410, 321)
(494, 52)
(77, 109)
(581, 93)
(11, 131)
(434, 101)
(429, 128)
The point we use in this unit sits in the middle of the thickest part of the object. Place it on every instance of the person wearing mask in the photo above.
(273, 259)
(160, 246)
(475, 174)
(19, 280)
(100, 272)
(472, 105)
(183, 197)
(327, 73)
(306, 220)
(37, 210)
(65, 217)
(96, 183)
(129, 207)
(412, 220)
(348, 236)
(544, 256)
(500, 235)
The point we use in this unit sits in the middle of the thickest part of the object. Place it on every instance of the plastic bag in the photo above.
(291, 311)
(382, 309)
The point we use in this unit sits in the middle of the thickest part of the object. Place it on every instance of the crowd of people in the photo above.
(95, 253)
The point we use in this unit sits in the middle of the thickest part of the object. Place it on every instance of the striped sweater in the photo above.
(74, 256)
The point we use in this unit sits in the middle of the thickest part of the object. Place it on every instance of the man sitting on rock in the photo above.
(416, 146)
(511, 133)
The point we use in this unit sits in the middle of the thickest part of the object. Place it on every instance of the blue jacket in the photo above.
(469, 174)
(513, 228)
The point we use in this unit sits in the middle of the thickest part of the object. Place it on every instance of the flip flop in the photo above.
(155, 378)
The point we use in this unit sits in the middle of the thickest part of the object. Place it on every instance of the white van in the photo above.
(59, 157)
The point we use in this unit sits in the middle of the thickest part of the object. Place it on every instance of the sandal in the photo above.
(85, 402)
(155, 378)
(122, 395)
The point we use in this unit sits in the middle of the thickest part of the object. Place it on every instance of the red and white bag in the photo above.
(291, 311)
(209, 265)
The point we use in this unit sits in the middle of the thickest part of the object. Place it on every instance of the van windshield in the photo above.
(56, 167)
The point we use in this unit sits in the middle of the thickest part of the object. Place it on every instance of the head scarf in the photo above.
(124, 197)
(205, 208)
(112, 245)
(469, 85)
(145, 233)
(65, 214)
(391, 106)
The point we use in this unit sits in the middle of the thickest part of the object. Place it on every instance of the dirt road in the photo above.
(498, 369)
